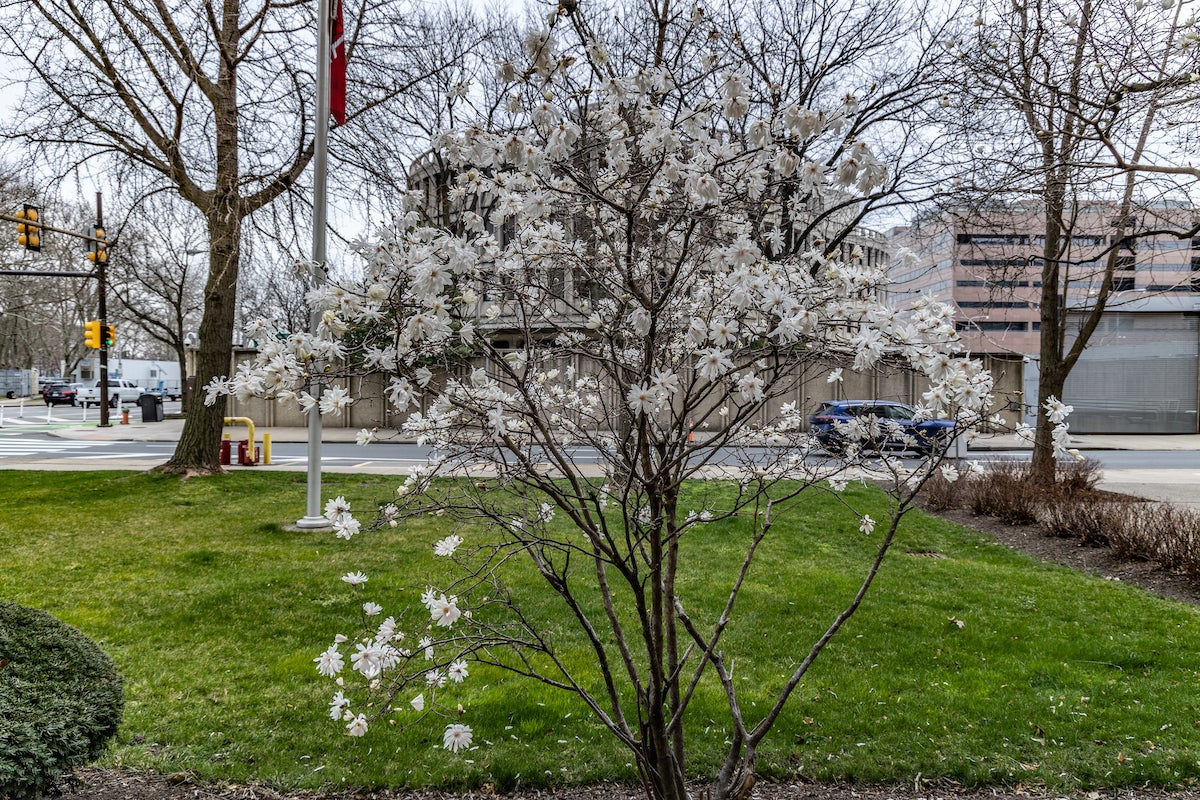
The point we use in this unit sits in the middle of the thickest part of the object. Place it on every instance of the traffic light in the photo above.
(97, 250)
(110, 335)
(29, 232)
(91, 334)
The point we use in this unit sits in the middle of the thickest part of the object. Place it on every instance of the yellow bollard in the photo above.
(249, 423)
(266, 448)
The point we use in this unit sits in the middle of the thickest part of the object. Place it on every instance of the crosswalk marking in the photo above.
(15, 445)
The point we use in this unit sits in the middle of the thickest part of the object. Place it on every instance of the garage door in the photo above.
(1138, 375)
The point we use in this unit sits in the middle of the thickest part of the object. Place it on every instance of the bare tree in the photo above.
(213, 100)
(158, 279)
(1074, 105)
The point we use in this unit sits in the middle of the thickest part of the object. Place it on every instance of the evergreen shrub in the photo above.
(60, 700)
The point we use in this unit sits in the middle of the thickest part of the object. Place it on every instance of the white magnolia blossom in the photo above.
(446, 547)
(457, 737)
(357, 726)
(330, 662)
(444, 611)
(355, 579)
(338, 705)
(649, 300)
(1056, 410)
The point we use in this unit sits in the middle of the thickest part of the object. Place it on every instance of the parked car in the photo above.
(61, 393)
(50, 386)
(896, 425)
(119, 391)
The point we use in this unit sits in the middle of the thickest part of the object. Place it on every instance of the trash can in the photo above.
(152, 407)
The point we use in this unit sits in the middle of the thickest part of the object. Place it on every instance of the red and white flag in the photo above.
(337, 66)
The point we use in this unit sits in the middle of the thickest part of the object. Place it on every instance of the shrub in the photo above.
(1159, 532)
(60, 700)
(1005, 492)
(1077, 477)
(1073, 508)
(1071, 518)
(939, 494)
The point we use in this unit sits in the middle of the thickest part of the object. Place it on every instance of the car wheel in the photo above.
(114, 401)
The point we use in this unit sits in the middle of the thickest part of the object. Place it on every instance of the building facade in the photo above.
(1139, 373)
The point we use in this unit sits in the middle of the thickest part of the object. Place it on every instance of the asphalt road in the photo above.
(38, 444)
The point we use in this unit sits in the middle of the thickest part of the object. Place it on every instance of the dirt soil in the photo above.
(105, 784)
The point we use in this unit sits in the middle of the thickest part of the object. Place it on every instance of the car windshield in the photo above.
(898, 412)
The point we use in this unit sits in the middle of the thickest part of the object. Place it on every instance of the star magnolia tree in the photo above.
(683, 220)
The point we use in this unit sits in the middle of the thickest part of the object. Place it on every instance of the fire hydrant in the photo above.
(125, 416)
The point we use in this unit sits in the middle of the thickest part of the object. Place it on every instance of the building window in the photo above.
(991, 326)
(992, 304)
(1122, 283)
(984, 239)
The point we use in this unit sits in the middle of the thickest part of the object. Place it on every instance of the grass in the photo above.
(213, 613)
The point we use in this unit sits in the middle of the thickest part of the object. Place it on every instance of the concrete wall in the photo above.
(808, 388)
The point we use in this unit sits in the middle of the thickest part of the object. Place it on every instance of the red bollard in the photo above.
(224, 456)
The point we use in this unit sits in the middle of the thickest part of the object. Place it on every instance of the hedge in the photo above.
(60, 700)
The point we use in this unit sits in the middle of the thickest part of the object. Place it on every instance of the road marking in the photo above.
(114, 456)
(12, 445)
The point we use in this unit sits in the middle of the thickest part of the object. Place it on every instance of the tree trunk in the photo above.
(1051, 381)
(198, 450)
(1052, 374)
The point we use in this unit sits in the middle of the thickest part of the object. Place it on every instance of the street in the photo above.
(34, 414)
(63, 437)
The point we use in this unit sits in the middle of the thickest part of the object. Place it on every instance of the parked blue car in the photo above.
(897, 423)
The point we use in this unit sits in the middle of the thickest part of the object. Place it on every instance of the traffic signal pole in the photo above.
(102, 291)
(30, 228)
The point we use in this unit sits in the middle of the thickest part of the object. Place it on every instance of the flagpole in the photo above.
(313, 517)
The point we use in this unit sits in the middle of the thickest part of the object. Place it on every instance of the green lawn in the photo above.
(214, 613)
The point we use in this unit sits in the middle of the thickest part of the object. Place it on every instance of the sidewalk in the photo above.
(168, 431)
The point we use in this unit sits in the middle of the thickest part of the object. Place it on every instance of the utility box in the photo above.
(152, 407)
